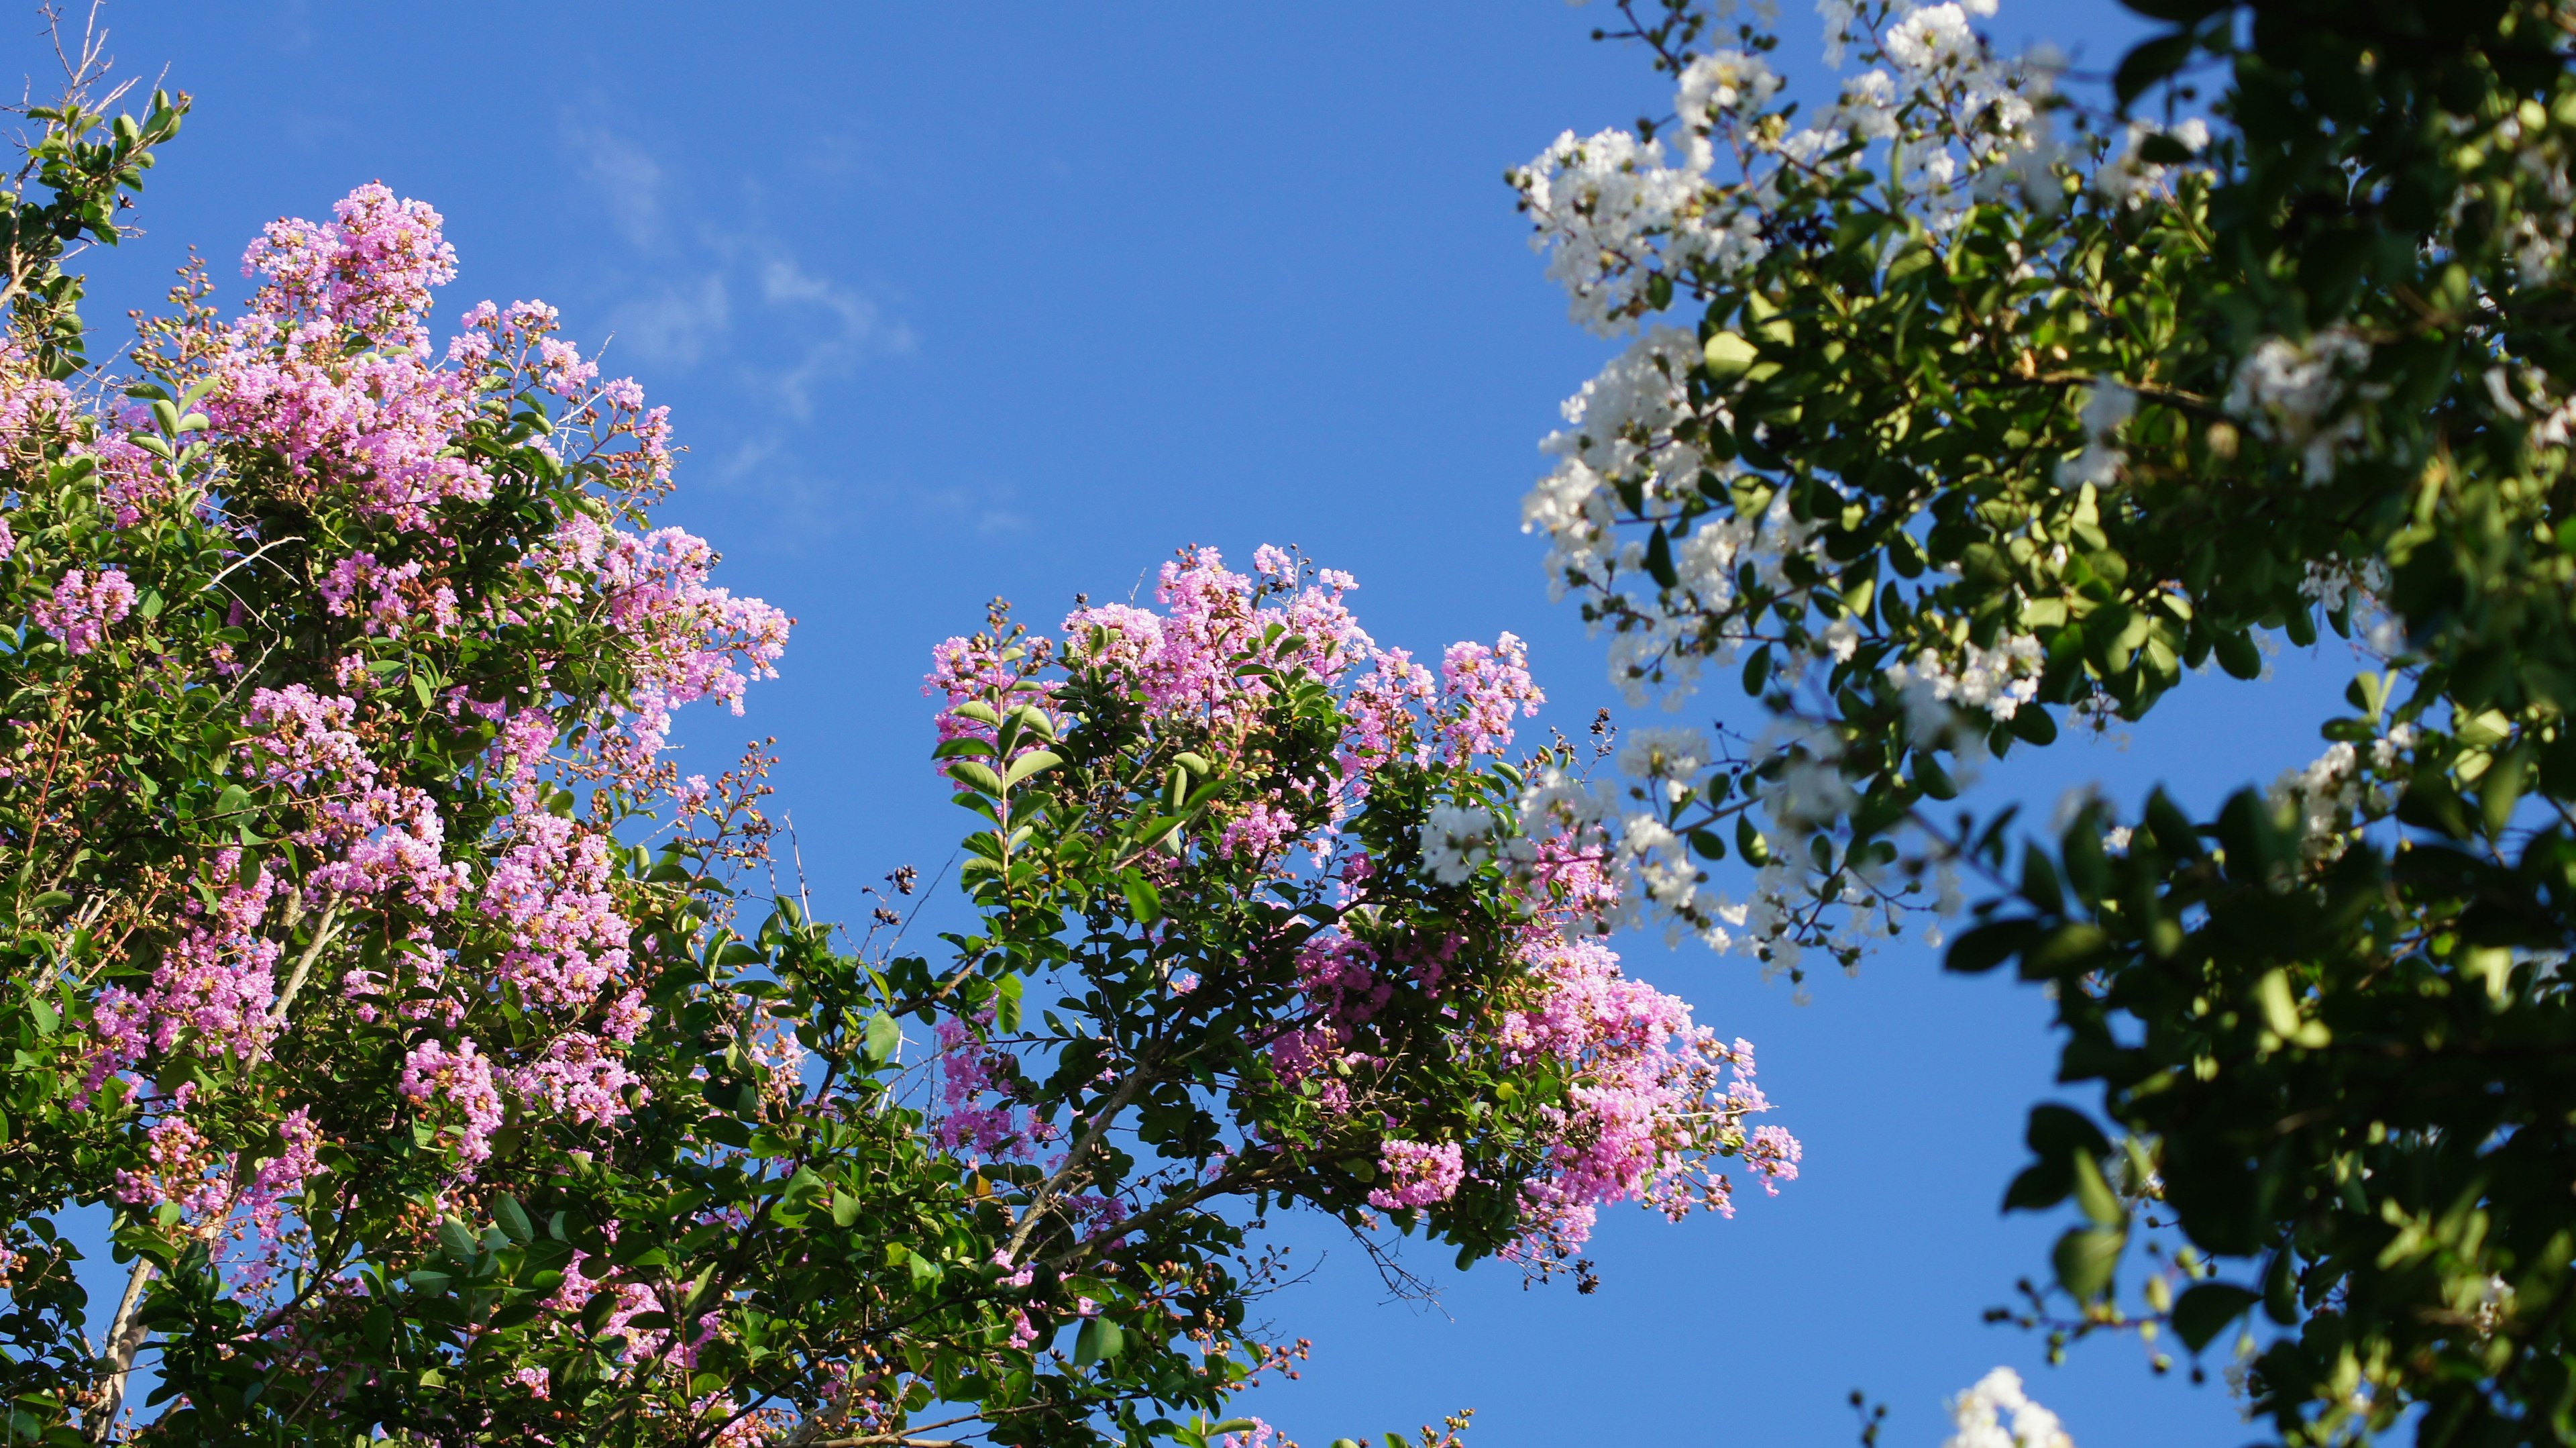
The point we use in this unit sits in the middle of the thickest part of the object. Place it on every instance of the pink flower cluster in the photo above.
(369, 269)
(1185, 661)
(463, 1076)
(1656, 1099)
(548, 887)
(214, 983)
(977, 1116)
(373, 837)
(83, 608)
(581, 1078)
(1418, 1174)
(385, 597)
(1484, 687)
(692, 640)
(377, 424)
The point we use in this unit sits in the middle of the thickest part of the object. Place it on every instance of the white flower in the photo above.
(1868, 108)
(1931, 37)
(2285, 389)
(1979, 1413)
(1676, 753)
(1723, 80)
(2129, 178)
(2106, 410)
(1455, 840)
(1997, 681)
(2324, 793)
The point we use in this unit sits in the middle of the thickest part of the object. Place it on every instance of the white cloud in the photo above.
(853, 326)
(677, 322)
(627, 178)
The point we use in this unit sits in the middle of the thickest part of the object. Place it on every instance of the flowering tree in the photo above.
(1955, 412)
(447, 1078)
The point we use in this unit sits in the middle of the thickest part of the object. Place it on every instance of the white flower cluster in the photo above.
(1721, 83)
(1456, 839)
(1995, 681)
(2129, 178)
(1618, 428)
(1627, 224)
(1668, 760)
(2330, 582)
(1606, 207)
(2528, 392)
(1621, 431)
(2330, 790)
(1979, 1415)
(1656, 875)
(2289, 392)
(1630, 821)
(2545, 219)
(2107, 409)
(1612, 211)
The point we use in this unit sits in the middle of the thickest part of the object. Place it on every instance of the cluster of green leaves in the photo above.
(2328, 1025)
(84, 164)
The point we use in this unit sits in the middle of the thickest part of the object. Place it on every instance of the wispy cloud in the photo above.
(676, 322)
(626, 177)
(738, 305)
(852, 327)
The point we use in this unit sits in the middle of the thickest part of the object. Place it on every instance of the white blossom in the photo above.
(2130, 178)
(1724, 80)
(2286, 390)
(2106, 410)
(1932, 37)
(1455, 840)
(1670, 753)
(1996, 681)
(1979, 1416)
(2333, 580)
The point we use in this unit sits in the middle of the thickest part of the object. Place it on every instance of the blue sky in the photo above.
(955, 301)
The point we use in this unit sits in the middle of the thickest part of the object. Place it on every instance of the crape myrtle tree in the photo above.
(447, 1067)
(1957, 416)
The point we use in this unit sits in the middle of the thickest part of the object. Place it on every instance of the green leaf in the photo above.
(2085, 1259)
(1659, 558)
(2238, 655)
(2149, 63)
(2093, 1194)
(2039, 882)
(2205, 1309)
(1981, 949)
(884, 1036)
(1033, 762)
(1727, 357)
(1144, 902)
(513, 1219)
(458, 1239)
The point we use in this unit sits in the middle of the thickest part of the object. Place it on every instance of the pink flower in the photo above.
(464, 1077)
(82, 608)
(1480, 689)
(1417, 1174)
(369, 270)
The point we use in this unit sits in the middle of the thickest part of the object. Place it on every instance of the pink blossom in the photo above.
(1417, 1174)
(462, 1076)
(1481, 688)
(370, 269)
(82, 609)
